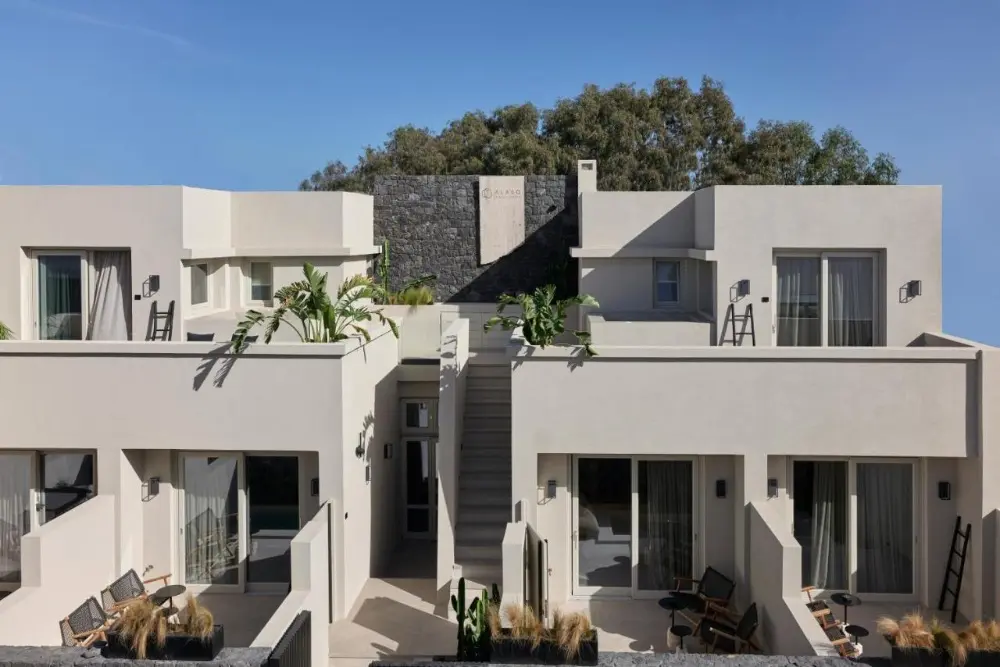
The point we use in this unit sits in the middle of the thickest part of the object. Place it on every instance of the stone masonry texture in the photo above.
(432, 225)
(61, 656)
(669, 660)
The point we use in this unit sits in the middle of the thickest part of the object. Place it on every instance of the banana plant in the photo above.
(316, 317)
(542, 317)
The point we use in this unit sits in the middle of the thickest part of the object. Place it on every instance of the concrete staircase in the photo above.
(484, 506)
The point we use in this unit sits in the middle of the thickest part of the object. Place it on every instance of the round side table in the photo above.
(846, 600)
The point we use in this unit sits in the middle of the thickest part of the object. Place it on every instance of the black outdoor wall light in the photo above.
(153, 487)
(944, 490)
(914, 288)
(743, 287)
(720, 488)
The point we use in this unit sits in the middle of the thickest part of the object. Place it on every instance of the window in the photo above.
(828, 299)
(199, 284)
(61, 295)
(667, 283)
(261, 282)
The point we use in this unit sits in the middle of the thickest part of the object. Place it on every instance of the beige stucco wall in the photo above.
(636, 219)
(300, 219)
(904, 222)
(451, 427)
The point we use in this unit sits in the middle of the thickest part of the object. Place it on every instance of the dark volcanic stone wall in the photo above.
(432, 225)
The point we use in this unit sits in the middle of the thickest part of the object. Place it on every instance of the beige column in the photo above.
(751, 485)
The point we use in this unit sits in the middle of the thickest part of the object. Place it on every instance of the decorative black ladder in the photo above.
(731, 319)
(161, 323)
(950, 570)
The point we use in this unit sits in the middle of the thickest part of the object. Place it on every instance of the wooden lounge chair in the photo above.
(714, 588)
(722, 633)
(85, 625)
(127, 589)
(820, 609)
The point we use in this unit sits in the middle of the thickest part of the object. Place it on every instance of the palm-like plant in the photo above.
(542, 318)
(321, 319)
(6, 333)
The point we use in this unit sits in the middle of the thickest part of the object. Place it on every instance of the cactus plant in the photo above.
(473, 624)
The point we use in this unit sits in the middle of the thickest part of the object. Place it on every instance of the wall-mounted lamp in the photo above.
(314, 487)
(387, 450)
(743, 287)
(914, 288)
(154, 282)
(550, 489)
(153, 487)
(772, 487)
(359, 451)
(368, 473)
(944, 490)
(720, 488)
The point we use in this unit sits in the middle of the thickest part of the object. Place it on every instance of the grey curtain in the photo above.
(665, 527)
(60, 289)
(885, 528)
(850, 300)
(15, 509)
(829, 513)
(798, 301)
(111, 308)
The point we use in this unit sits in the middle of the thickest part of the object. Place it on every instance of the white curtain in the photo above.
(15, 508)
(851, 301)
(211, 531)
(829, 510)
(111, 309)
(798, 301)
(885, 528)
(665, 528)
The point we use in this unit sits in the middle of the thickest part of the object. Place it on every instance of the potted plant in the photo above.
(322, 318)
(6, 333)
(917, 643)
(416, 292)
(542, 318)
(571, 640)
(144, 631)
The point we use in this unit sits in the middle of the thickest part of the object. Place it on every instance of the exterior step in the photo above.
(499, 385)
(501, 371)
(485, 440)
(476, 411)
(487, 464)
(475, 532)
(498, 424)
(471, 516)
(484, 481)
(486, 396)
(478, 551)
(484, 499)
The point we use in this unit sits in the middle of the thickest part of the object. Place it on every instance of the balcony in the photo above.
(913, 401)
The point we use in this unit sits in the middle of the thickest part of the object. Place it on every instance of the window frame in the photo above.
(86, 279)
(207, 303)
(656, 283)
(248, 280)
(824, 257)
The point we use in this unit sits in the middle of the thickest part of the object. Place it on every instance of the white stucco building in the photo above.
(835, 446)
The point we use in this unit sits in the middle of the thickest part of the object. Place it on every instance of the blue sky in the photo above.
(254, 94)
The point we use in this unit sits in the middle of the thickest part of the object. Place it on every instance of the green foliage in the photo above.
(6, 333)
(542, 318)
(473, 626)
(416, 292)
(670, 137)
(321, 318)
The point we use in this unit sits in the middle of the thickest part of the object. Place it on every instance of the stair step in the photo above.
(474, 411)
(481, 480)
(497, 464)
(480, 533)
(482, 573)
(478, 551)
(491, 515)
(489, 371)
(481, 424)
(486, 396)
(499, 385)
(484, 499)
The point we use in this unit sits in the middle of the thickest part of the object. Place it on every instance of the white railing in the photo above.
(310, 591)
(63, 563)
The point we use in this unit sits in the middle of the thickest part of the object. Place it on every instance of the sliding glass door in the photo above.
(213, 514)
(633, 525)
(16, 507)
(828, 299)
(61, 295)
(855, 522)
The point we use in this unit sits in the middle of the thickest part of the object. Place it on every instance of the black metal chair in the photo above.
(714, 588)
(720, 635)
(127, 589)
(85, 625)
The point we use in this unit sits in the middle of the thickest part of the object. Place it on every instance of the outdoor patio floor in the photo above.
(242, 615)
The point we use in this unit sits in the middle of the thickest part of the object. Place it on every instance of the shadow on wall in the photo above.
(221, 360)
(543, 258)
